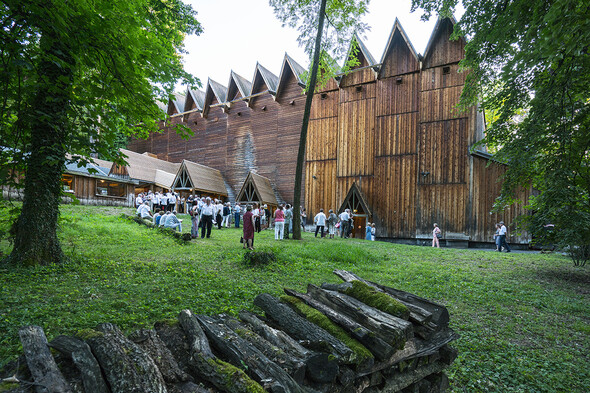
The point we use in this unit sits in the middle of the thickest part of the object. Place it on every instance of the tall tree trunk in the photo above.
(305, 124)
(35, 230)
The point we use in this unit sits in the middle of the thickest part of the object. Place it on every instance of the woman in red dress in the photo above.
(248, 228)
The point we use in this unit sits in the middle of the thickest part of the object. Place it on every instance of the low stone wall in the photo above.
(357, 336)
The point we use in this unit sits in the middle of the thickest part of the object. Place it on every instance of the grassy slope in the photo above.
(523, 318)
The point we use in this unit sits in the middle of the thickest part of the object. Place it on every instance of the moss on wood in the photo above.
(234, 377)
(87, 334)
(379, 300)
(361, 353)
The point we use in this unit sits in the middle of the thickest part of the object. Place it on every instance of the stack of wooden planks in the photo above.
(357, 336)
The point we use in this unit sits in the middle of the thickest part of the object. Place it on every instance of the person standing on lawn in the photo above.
(249, 223)
(502, 235)
(320, 222)
(206, 218)
(435, 235)
(288, 220)
(279, 223)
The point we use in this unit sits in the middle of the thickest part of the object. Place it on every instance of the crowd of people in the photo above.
(205, 212)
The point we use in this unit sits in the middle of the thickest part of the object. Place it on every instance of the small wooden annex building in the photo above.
(257, 189)
(197, 179)
(151, 173)
(388, 131)
(92, 184)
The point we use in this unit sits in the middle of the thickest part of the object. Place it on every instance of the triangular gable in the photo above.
(237, 84)
(365, 58)
(257, 188)
(176, 104)
(355, 201)
(193, 176)
(195, 99)
(290, 66)
(440, 36)
(182, 180)
(216, 91)
(396, 37)
(263, 80)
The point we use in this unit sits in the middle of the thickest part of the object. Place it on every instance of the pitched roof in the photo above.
(176, 104)
(290, 65)
(263, 189)
(199, 177)
(355, 198)
(398, 29)
(238, 83)
(194, 96)
(145, 168)
(440, 24)
(213, 89)
(270, 80)
(362, 51)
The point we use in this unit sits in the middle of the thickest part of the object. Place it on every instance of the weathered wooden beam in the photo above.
(85, 362)
(301, 329)
(223, 376)
(149, 341)
(368, 338)
(392, 329)
(439, 313)
(239, 352)
(295, 367)
(126, 366)
(275, 336)
(42, 365)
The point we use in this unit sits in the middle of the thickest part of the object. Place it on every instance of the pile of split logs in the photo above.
(357, 336)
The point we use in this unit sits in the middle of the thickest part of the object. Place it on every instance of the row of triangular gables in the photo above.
(240, 88)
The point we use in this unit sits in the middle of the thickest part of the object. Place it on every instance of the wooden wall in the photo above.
(396, 133)
(85, 190)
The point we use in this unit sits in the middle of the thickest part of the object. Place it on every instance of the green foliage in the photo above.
(360, 353)
(522, 317)
(529, 66)
(78, 77)
(379, 300)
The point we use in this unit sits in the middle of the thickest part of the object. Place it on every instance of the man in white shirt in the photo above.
(138, 200)
(320, 222)
(344, 223)
(164, 219)
(144, 211)
(502, 234)
(237, 211)
(164, 201)
(207, 211)
(173, 222)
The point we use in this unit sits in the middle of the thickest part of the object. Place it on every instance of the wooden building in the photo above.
(257, 189)
(386, 133)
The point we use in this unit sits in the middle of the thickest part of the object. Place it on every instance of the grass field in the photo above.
(524, 318)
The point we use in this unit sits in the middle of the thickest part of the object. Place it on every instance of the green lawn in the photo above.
(524, 319)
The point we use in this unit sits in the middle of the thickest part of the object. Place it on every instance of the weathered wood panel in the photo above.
(322, 139)
(240, 154)
(196, 149)
(441, 77)
(443, 152)
(398, 95)
(215, 138)
(442, 50)
(440, 104)
(397, 134)
(486, 188)
(264, 120)
(395, 196)
(399, 59)
(320, 187)
(445, 204)
(291, 105)
(356, 133)
(365, 75)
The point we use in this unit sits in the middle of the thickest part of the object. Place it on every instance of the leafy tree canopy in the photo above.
(74, 75)
(529, 65)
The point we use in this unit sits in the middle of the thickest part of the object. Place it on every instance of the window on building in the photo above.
(110, 188)
(67, 182)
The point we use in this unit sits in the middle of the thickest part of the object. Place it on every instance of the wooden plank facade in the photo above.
(391, 128)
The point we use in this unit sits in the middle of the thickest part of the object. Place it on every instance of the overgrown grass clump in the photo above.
(523, 318)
